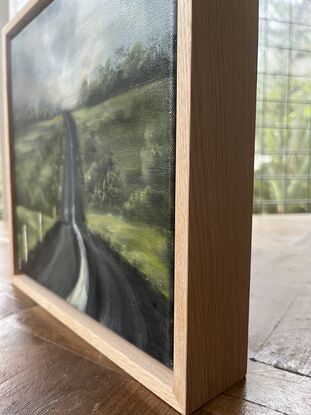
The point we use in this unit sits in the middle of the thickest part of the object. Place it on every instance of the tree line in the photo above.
(128, 68)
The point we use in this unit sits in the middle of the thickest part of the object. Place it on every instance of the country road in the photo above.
(73, 212)
(80, 267)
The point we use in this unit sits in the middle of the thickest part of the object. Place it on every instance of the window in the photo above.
(283, 131)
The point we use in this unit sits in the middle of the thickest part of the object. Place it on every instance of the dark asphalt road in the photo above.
(72, 203)
(73, 262)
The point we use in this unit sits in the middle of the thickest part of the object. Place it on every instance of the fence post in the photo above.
(25, 242)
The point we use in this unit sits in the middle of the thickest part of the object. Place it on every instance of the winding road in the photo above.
(80, 267)
(73, 213)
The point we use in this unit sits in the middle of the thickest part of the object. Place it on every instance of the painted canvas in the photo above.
(93, 117)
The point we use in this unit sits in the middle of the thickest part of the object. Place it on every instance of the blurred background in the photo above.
(283, 134)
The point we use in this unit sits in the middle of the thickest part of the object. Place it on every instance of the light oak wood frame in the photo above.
(216, 95)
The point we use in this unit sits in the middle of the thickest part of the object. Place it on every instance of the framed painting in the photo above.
(130, 135)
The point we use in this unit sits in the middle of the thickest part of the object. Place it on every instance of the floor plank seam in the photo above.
(253, 359)
(256, 403)
(73, 352)
(55, 343)
(277, 324)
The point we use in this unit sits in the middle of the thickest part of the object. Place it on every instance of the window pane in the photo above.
(278, 9)
(262, 28)
(298, 115)
(258, 141)
(260, 81)
(274, 115)
(276, 60)
(273, 140)
(257, 190)
(278, 34)
(272, 208)
(300, 207)
(261, 60)
(262, 8)
(273, 166)
(299, 89)
(283, 132)
(298, 141)
(275, 87)
(259, 114)
(301, 37)
(297, 166)
(301, 64)
(297, 190)
(300, 11)
(273, 190)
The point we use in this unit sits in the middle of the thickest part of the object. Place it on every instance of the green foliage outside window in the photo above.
(283, 135)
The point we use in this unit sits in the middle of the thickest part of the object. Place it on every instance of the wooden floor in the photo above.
(46, 369)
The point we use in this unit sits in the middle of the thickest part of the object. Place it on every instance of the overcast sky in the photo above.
(71, 38)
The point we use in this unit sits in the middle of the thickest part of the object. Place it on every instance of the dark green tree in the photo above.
(103, 184)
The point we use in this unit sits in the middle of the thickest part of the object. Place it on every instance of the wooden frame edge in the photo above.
(182, 183)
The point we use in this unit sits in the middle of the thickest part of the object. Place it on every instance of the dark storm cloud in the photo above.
(70, 39)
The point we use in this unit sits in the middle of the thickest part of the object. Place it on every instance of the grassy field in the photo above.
(141, 246)
(27, 136)
(126, 125)
(38, 157)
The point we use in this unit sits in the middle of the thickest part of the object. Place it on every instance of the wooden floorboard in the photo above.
(281, 264)
(44, 326)
(279, 390)
(289, 345)
(39, 377)
(46, 369)
(226, 404)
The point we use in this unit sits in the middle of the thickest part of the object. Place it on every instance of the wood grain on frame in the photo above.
(216, 88)
(222, 130)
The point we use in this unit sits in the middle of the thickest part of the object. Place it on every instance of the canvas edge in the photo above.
(167, 384)
(7, 148)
